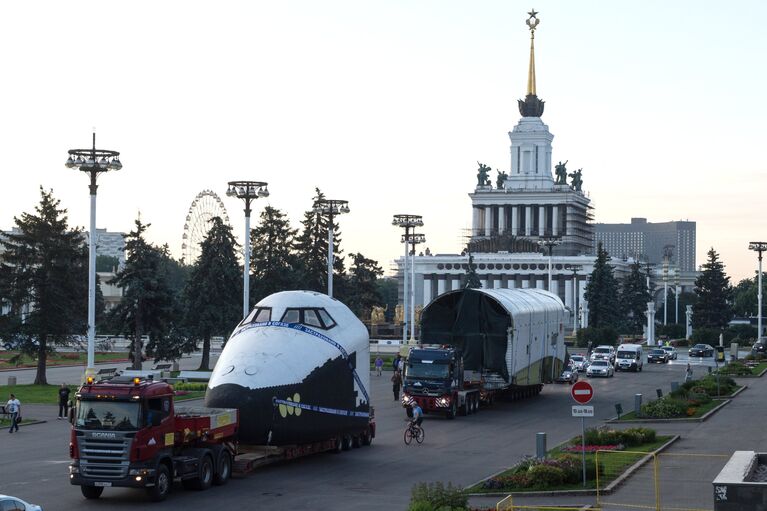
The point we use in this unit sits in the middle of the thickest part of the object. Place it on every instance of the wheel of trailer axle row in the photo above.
(356, 441)
(339, 445)
(347, 443)
(367, 437)
(466, 409)
(475, 404)
(224, 469)
(162, 484)
(91, 492)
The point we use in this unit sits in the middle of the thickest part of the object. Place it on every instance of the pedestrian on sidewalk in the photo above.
(688, 373)
(396, 381)
(379, 364)
(63, 402)
(13, 407)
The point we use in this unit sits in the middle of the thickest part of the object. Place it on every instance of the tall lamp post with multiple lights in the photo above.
(758, 247)
(247, 191)
(407, 222)
(331, 208)
(549, 242)
(676, 295)
(93, 162)
(414, 239)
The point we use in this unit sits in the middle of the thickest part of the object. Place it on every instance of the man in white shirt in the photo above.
(13, 407)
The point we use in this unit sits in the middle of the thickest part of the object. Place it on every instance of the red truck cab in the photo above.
(127, 432)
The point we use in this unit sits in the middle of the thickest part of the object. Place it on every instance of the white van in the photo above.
(629, 358)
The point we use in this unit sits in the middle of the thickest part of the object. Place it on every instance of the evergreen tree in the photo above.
(634, 299)
(213, 295)
(148, 305)
(273, 262)
(714, 306)
(312, 252)
(362, 285)
(602, 293)
(44, 281)
(472, 280)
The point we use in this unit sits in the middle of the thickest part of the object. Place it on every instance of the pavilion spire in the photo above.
(531, 106)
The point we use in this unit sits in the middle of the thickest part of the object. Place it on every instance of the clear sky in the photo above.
(388, 104)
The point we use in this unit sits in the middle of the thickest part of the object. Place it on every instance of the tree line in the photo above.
(44, 282)
(620, 305)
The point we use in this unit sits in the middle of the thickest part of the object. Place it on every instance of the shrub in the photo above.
(664, 408)
(546, 475)
(735, 369)
(437, 497)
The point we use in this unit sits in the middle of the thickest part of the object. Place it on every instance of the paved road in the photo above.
(380, 477)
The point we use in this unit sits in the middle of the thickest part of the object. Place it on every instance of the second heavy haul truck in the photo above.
(478, 344)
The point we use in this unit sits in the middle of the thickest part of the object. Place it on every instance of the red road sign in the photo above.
(582, 392)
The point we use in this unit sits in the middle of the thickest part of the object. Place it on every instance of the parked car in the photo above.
(603, 353)
(569, 375)
(670, 351)
(16, 504)
(759, 347)
(701, 350)
(657, 355)
(579, 363)
(600, 368)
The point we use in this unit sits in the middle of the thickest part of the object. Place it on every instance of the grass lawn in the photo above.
(758, 368)
(56, 359)
(35, 394)
(700, 411)
(195, 394)
(387, 360)
(614, 463)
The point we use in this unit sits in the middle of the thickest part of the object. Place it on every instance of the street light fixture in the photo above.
(759, 247)
(93, 162)
(407, 222)
(414, 239)
(575, 268)
(330, 208)
(247, 191)
(549, 242)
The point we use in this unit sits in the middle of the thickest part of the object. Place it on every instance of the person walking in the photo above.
(63, 401)
(379, 364)
(396, 381)
(13, 407)
(688, 373)
(395, 362)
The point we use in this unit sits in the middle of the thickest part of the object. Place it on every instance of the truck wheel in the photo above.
(475, 404)
(224, 471)
(347, 443)
(162, 484)
(91, 492)
(466, 408)
(339, 445)
(204, 476)
(451, 413)
(366, 437)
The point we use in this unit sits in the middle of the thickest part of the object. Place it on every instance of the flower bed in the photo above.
(744, 369)
(562, 469)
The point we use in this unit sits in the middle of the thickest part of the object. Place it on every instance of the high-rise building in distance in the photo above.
(650, 241)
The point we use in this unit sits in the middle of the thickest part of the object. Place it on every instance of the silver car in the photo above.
(600, 368)
(670, 351)
(579, 363)
(16, 504)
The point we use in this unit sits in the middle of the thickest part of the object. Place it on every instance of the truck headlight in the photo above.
(73, 469)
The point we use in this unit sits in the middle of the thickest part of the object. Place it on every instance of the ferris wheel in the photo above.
(205, 206)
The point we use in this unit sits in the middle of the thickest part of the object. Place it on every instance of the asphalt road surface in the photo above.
(462, 451)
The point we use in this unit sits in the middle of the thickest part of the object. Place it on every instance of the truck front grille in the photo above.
(104, 458)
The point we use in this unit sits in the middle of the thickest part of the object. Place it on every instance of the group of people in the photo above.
(13, 407)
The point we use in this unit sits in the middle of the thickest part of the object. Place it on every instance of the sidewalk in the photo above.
(684, 477)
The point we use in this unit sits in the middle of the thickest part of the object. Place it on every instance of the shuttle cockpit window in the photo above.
(258, 315)
(316, 318)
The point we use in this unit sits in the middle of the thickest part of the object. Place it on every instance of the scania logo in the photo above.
(103, 435)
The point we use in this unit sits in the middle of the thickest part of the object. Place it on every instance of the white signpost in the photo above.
(582, 392)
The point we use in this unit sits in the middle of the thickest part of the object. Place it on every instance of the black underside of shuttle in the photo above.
(330, 386)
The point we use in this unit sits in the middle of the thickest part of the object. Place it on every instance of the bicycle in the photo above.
(414, 431)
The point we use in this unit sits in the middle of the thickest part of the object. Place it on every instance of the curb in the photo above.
(565, 493)
(31, 423)
(682, 419)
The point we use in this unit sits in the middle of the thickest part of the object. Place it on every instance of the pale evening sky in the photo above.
(388, 104)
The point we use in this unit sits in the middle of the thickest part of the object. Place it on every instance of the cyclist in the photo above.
(417, 414)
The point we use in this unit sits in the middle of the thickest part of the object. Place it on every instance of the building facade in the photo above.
(651, 242)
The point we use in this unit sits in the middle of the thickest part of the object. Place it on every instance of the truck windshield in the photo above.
(419, 370)
(112, 415)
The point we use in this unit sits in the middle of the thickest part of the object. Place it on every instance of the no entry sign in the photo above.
(582, 392)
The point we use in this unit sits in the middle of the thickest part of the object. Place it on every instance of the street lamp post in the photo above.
(407, 222)
(247, 191)
(330, 208)
(676, 296)
(93, 162)
(549, 242)
(414, 239)
(575, 268)
(759, 247)
(665, 290)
